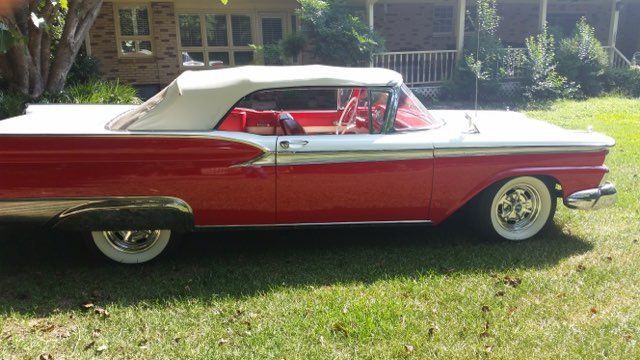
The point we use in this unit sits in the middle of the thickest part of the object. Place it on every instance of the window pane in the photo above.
(379, 102)
(411, 113)
(443, 19)
(216, 30)
(192, 58)
(126, 22)
(190, 33)
(241, 30)
(145, 47)
(128, 47)
(294, 24)
(218, 59)
(142, 19)
(243, 57)
(291, 99)
(271, 30)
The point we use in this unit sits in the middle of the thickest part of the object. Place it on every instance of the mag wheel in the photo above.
(515, 210)
(131, 246)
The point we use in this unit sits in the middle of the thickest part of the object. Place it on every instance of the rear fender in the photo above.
(126, 213)
(94, 214)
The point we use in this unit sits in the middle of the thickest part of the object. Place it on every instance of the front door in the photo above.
(353, 178)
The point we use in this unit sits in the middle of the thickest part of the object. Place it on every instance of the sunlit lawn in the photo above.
(389, 292)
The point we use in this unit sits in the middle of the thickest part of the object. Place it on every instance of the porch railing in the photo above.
(434, 67)
(616, 58)
(419, 67)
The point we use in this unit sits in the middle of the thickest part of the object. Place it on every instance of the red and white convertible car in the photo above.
(287, 146)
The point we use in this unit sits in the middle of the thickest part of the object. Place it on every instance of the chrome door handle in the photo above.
(293, 144)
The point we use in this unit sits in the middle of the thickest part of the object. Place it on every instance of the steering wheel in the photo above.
(349, 114)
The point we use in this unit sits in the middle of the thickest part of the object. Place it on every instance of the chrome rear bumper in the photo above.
(592, 199)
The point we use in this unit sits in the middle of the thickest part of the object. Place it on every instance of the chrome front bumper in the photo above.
(592, 199)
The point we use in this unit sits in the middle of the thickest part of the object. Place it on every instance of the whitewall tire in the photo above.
(516, 209)
(131, 247)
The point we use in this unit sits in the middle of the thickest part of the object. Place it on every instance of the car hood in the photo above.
(507, 128)
(63, 119)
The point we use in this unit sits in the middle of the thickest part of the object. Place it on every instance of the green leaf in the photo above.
(224, 2)
(64, 4)
(7, 38)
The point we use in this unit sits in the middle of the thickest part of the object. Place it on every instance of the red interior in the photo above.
(265, 122)
(406, 119)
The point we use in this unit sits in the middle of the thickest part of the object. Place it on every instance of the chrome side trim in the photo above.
(592, 199)
(266, 159)
(91, 213)
(336, 157)
(514, 150)
(36, 210)
(310, 224)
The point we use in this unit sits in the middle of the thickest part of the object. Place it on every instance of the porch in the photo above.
(426, 39)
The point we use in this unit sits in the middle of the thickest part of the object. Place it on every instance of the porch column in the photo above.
(370, 14)
(613, 27)
(542, 15)
(462, 11)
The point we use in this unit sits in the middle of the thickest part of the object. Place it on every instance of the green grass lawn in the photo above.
(392, 292)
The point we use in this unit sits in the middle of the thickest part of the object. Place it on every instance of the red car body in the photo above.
(271, 167)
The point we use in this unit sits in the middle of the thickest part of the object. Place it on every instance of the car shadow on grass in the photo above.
(42, 273)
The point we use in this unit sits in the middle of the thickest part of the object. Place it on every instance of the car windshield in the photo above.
(412, 114)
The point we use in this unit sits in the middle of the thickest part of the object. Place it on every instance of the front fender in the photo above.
(570, 178)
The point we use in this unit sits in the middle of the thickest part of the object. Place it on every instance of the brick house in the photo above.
(148, 43)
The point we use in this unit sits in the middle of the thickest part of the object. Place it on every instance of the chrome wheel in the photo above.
(518, 207)
(132, 241)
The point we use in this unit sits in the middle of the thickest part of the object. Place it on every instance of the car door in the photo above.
(352, 178)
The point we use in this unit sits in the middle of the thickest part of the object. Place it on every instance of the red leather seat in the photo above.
(289, 125)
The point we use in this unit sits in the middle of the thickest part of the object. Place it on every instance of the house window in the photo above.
(215, 40)
(134, 30)
(443, 19)
(272, 30)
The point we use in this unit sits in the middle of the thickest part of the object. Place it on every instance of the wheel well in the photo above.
(555, 188)
(554, 185)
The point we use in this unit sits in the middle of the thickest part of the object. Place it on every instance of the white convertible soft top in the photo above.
(197, 100)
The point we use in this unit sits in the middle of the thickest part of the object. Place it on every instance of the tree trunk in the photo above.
(80, 18)
(27, 65)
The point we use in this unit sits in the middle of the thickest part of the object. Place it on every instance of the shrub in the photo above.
(541, 80)
(582, 59)
(98, 92)
(84, 69)
(92, 92)
(267, 55)
(484, 57)
(625, 81)
(336, 34)
(11, 104)
(292, 45)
